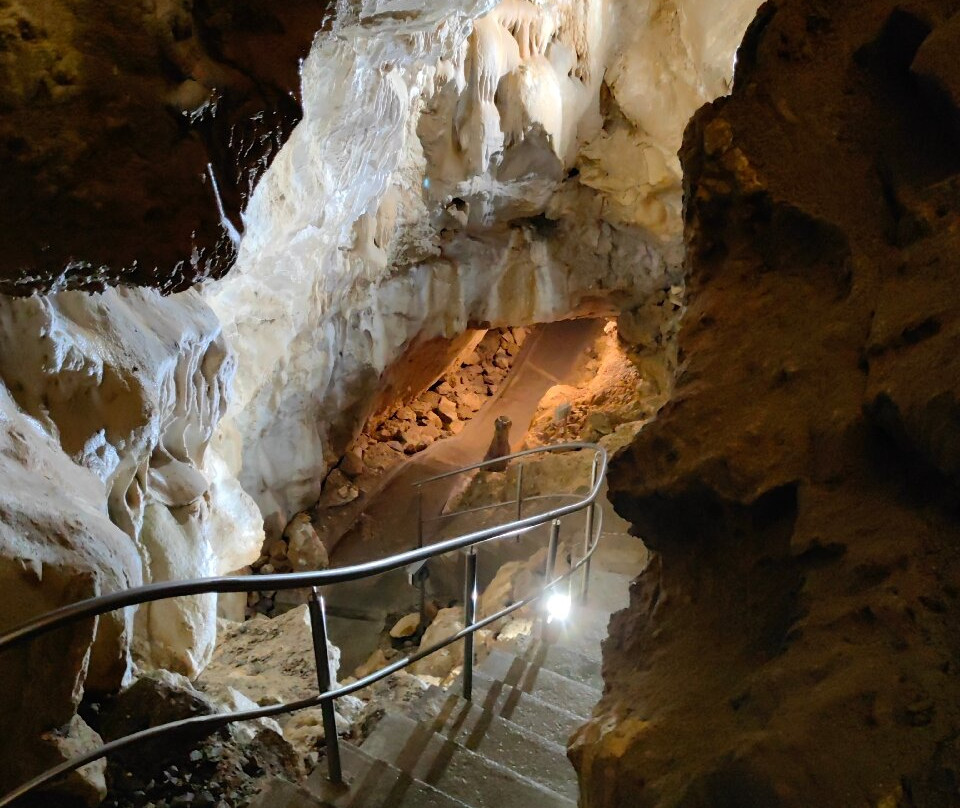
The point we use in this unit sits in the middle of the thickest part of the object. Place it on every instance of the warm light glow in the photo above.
(558, 607)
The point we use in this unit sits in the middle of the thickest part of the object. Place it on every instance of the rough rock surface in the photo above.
(188, 768)
(794, 641)
(115, 119)
(617, 385)
(270, 661)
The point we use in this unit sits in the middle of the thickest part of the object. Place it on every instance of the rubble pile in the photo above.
(442, 410)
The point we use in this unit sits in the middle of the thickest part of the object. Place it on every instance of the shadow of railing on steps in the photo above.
(327, 695)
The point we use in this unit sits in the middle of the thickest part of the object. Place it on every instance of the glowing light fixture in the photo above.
(558, 607)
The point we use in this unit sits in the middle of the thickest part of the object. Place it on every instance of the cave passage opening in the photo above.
(552, 382)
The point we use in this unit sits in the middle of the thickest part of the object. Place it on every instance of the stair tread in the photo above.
(279, 793)
(559, 659)
(468, 724)
(370, 782)
(609, 589)
(524, 709)
(415, 748)
(585, 632)
(549, 686)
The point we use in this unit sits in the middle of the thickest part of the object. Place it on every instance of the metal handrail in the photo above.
(453, 514)
(93, 607)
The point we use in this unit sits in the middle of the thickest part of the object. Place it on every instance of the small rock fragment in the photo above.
(406, 626)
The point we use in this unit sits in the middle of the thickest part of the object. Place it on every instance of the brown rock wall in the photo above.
(794, 643)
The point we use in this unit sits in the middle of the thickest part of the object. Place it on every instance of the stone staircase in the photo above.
(506, 748)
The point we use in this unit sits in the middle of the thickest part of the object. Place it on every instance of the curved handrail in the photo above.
(219, 720)
(493, 505)
(93, 607)
(96, 606)
(551, 449)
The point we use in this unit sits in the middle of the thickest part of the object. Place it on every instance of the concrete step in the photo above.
(609, 590)
(370, 782)
(528, 754)
(524, 709)
(545, 684)
(617, 543)
(563, 661)
(280, 793)
(583, 632)
(414, 748)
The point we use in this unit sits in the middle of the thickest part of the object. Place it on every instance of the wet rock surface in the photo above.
(115, 118)
(793, 641)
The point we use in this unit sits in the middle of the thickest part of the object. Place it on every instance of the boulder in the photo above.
(160, 697)
(304, 728)
(447, 410)
(351, 465)
(434, 420)
(427, 401)
(87, 784)
(406, 626)
(269, 660)
(380, 456)
(375, 662)
(471, 400)
(406, 413)
(416, 438)
(446, 623)
(306, 550)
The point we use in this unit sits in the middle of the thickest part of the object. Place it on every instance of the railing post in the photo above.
(519, 491)
(318, 628)
(588, 536)
(552, 549)
(422, 581)
(469, 616)
(419, 516)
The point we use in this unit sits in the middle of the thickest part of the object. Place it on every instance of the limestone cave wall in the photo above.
(793, 641)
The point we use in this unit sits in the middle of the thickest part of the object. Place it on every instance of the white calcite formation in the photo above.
(107, 404)
(57, 545)
(458, 163)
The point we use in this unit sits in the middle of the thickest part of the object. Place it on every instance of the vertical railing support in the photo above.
(419, 516)
(519, 491)
(318, 628)
(552, 549)
(588, 535)
(469, 616)
(421, 581)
